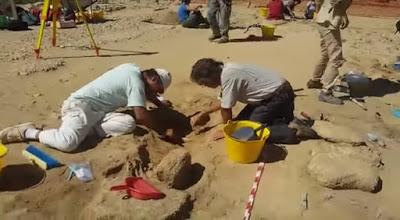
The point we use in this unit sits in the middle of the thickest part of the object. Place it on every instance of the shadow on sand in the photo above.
(381, 87)
(20, 177)
(170, 119)
(103, 55)
(194, 176)
(253, 38)
(273, 153)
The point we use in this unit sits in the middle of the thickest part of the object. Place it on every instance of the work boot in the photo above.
(214, 37)
(15, 133)
(329, 98)
(314, 84)
(303, 129)
(223, 40)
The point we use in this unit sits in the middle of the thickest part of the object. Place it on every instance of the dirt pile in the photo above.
(342, 166)
(110, 205)
(174, 169)
(337, 133)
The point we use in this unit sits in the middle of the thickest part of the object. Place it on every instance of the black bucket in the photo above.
(359, 85)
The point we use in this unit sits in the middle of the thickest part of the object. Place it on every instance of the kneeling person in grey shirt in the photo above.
(269, 97)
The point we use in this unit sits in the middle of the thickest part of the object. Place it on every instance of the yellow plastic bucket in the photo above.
(244, 151)
(268, 31)
(263, 12)
(3, 152)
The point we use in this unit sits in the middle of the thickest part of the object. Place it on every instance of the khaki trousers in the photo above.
(219, 12)
(331, 60)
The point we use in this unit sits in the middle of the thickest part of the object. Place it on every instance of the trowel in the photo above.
(248, 133)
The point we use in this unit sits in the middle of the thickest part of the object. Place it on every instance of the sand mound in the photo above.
(337, 133)
(40, 66)
(345, 167)
(110, 205)
(165, 17)
(195, 103)
(137, 159)
(174, 169)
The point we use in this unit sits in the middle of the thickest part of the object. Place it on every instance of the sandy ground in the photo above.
(33, 90)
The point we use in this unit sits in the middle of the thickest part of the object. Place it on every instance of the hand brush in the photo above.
(40, 158)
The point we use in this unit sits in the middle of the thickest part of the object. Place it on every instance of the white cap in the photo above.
(165, 77)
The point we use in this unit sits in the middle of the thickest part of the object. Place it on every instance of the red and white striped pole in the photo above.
(253, 192)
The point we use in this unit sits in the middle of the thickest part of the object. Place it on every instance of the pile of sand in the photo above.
(343, 166)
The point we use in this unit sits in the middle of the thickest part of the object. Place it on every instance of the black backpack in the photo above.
(17, 25)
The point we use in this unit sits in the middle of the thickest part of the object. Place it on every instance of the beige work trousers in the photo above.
(331, 60)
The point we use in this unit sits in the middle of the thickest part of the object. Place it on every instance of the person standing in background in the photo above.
(331, 17)
(219, 27)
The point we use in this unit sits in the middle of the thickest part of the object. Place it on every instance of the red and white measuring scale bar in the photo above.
(253, 192)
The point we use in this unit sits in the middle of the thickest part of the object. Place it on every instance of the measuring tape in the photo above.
(253, 192)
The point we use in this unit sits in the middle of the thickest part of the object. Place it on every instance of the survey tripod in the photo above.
(56, 10)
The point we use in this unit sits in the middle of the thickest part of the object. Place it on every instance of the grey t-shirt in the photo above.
(247, 84)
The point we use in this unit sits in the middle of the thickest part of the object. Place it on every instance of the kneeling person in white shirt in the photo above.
(92, 108)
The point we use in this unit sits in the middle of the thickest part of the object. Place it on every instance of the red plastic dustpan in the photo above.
(138, 188)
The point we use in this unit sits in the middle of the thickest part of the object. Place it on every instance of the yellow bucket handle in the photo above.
(264, 138)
